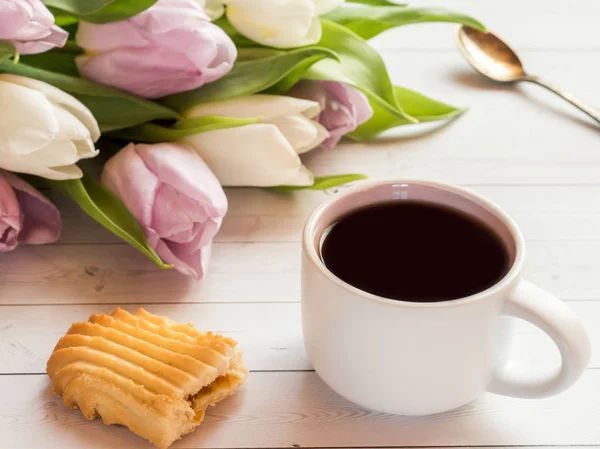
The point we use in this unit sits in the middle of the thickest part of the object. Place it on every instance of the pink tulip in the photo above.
(29, 26)
(26, 216)
(170, 47)
(343, 108)
(174, 196)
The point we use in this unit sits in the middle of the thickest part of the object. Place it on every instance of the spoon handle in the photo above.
(589, 110)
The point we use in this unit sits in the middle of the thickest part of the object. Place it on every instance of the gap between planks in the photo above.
(269, 334)
(297, 409)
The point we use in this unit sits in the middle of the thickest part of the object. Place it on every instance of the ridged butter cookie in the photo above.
(145, 372)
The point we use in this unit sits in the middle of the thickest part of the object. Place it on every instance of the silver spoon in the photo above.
(493, 58)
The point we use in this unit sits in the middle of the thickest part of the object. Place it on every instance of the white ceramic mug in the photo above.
(412, 358)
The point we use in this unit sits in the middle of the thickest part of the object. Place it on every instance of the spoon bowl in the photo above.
(494, 59)
(490, 55)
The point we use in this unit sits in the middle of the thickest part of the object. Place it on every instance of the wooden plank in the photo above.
(535, 227)
(526, 108)
(119, 274)
(519, 138)
(447, 73)
(447, 153)
(298, 409)
(239, 272)
(526, 25)
(270, 334)
(508, 136)
(543, 212)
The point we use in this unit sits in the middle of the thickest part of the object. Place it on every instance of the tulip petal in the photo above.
(183, 203)
(41, 219)
(195, 260)
(302, 133)
(10, 216)
(63, 173)
(280, 24)
(57, 96)
(344, 108)
(56, 37)
(171, 217)
(180, 167)
(190, 194)
(340, 122)
(109, 36)
(16, 22)
(352, 98)
(309, 90)
(31, 166)
(148, 73)
(325, 6)
(167, 15)
(127, 176)
(206, 46)
(252, 155)
(190, 263)
(168, 48)
(70, 127)
(43, 135)
(56, 154)
(85, 148)
(31, 123)
(260, 105)
(29, 26)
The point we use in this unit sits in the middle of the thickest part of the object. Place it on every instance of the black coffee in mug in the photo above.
(415, 251)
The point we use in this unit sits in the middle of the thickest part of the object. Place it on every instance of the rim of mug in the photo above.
(309, 248)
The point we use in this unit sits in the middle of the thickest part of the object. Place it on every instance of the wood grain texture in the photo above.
(297, 408)
(534, 155)
(543, 212)
(239, 272)
(269, 334)
(527, 25)
(510, 135)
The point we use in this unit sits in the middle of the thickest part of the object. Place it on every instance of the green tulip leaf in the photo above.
(53, 61)
(7, 51)
(251, 76)
(100, 11)
(323, 182)
(359, 65)
(254, 53)
(293, 77)
(418, 106)
(154, 132)
(109, 211)
(63, 20)
(369, 21)
(112, 108)
(424, 108)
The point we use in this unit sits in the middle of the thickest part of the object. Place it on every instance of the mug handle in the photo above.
(550, 314)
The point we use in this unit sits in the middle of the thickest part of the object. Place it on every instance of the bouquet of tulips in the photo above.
(178, 98)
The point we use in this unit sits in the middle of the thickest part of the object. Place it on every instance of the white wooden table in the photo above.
(532, 154)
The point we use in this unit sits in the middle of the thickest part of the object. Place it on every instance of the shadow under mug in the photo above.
(413, 358)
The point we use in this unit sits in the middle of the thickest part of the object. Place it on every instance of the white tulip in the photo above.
(280, 23)
(43, 131)
(265, 153)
